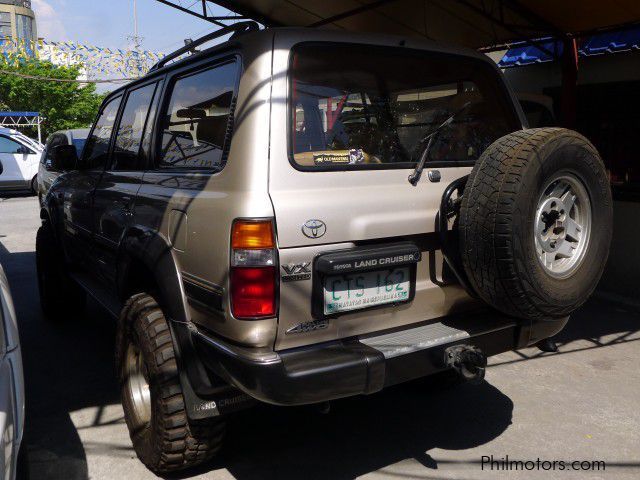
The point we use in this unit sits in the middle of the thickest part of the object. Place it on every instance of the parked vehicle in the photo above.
(19, 157)
(257, 218)
(46, 173)
(11, 385)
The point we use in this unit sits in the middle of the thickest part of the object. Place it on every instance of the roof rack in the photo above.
(236, 29)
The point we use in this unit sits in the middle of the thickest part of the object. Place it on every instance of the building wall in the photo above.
(10, 10)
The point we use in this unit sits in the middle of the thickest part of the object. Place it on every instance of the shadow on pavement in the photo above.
(67, 367)
(16, 194)
(598, 324)
(364, 434)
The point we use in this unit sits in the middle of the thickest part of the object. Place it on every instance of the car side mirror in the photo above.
(1, 168)
(64, 158)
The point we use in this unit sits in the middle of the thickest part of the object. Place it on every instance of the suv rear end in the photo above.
(363, 297)
(342, 148)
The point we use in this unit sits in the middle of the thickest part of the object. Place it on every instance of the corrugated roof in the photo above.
(473, 23)
(599, 44)
(623, 41)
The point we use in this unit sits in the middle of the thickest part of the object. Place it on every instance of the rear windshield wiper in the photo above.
(414, 178)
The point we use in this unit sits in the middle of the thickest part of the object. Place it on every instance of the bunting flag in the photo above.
(95, 61)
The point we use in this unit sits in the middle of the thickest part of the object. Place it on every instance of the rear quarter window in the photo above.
(196, 125)
(367, 107)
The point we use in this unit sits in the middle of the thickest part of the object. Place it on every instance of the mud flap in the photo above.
(209, 400)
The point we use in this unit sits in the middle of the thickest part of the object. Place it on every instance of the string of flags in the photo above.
(94, 60)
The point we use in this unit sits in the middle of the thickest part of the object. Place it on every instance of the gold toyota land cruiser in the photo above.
(296, 216)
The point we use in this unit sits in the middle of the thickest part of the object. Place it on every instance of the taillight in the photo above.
(253, 292)
(253, 269)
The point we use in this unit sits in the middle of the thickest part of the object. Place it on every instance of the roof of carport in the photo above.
(599, 44)
(473, 23)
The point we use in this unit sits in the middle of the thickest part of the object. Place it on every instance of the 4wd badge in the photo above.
(314, 228)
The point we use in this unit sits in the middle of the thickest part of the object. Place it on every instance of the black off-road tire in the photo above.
(61, 297)
(498, 216)
(168, 441)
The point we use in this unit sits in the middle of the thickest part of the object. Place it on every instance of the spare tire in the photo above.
(535, 223)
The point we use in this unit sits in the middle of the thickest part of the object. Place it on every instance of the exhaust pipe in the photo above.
(470, 362)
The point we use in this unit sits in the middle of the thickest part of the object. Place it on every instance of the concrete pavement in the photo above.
(580, 404)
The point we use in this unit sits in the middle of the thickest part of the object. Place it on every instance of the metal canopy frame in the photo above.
(496, 15)
(18, 120)
(513, 17)
(202, 11)
(352, 12)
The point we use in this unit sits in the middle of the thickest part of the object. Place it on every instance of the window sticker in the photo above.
(354, 156)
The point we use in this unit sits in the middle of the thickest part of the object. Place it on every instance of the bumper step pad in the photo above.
(420, 338)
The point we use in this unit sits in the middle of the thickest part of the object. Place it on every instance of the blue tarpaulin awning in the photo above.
(529, 54)
(611, 43)
(19, 114)
(600, 44)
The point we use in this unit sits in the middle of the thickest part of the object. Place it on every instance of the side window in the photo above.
(97, 146)
(9, 146)
(131, 128)
(194, 127)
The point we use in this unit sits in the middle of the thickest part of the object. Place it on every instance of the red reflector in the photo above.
(253, 292)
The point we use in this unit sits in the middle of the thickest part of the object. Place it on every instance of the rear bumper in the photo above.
(362, 365)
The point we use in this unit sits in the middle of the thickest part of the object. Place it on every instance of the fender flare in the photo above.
(152, 249)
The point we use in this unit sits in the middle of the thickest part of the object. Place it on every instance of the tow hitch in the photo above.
(468, 361)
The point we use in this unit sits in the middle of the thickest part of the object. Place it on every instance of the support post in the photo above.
(568, 102)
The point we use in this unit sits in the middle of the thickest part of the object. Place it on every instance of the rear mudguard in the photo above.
(202, 394)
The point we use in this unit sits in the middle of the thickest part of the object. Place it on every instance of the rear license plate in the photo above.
(343, 293)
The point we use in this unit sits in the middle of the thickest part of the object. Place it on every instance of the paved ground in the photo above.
(580, 404)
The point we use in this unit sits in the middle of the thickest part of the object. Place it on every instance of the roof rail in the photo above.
(236, 29)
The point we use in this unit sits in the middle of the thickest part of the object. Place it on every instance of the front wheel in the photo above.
(163, 437)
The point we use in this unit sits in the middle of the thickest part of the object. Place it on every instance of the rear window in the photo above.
(356, 107)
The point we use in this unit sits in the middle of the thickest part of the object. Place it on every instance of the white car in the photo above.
(11, 385)
(19, 160)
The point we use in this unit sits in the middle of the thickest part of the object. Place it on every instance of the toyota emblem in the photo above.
(314, 228)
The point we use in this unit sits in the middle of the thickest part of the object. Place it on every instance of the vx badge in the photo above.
(296, 271)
